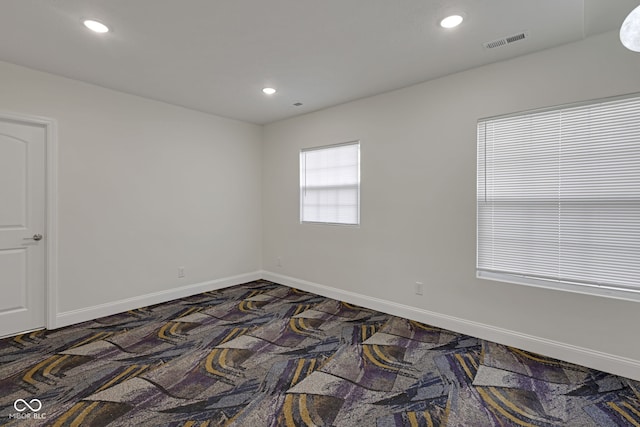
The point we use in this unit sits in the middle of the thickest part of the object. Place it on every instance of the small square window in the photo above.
(330, 184)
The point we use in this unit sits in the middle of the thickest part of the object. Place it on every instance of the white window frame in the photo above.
(302, 187)
(599, 289)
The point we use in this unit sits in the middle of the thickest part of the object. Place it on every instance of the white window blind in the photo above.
(330, 184)
(558, 200)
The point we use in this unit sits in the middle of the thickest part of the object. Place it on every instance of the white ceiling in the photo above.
(216, 55)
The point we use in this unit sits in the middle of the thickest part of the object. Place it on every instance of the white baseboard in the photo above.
(605, 362)
(67, 318)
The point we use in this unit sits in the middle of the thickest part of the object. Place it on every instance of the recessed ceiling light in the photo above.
(630, 31)
(96, 26)
(269, 90)
(451, 21)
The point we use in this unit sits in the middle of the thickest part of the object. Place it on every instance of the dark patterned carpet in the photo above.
(261, 354)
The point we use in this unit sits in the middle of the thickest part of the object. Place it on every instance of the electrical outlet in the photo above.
(279, 261)
(418, 289)
(180, 272)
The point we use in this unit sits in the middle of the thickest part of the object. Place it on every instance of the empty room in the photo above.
(329, 213)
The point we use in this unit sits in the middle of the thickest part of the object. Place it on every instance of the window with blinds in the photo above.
(330, 184)
(558, 198)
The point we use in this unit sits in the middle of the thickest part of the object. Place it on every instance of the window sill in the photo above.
(586, 289)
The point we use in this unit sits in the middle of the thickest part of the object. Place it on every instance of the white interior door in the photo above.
(22, 226)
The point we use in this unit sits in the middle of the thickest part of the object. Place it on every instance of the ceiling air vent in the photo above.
(505, 40)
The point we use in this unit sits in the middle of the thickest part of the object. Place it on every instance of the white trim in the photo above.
(52, 223)
(322, 147)
(562, 106)
(51, 210)
(617, 365)
(90, 313)
(559, 285)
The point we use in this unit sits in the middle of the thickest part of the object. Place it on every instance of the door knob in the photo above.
(37, 237)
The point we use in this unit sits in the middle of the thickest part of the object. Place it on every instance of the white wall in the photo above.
(418, 203)
(144, 187)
